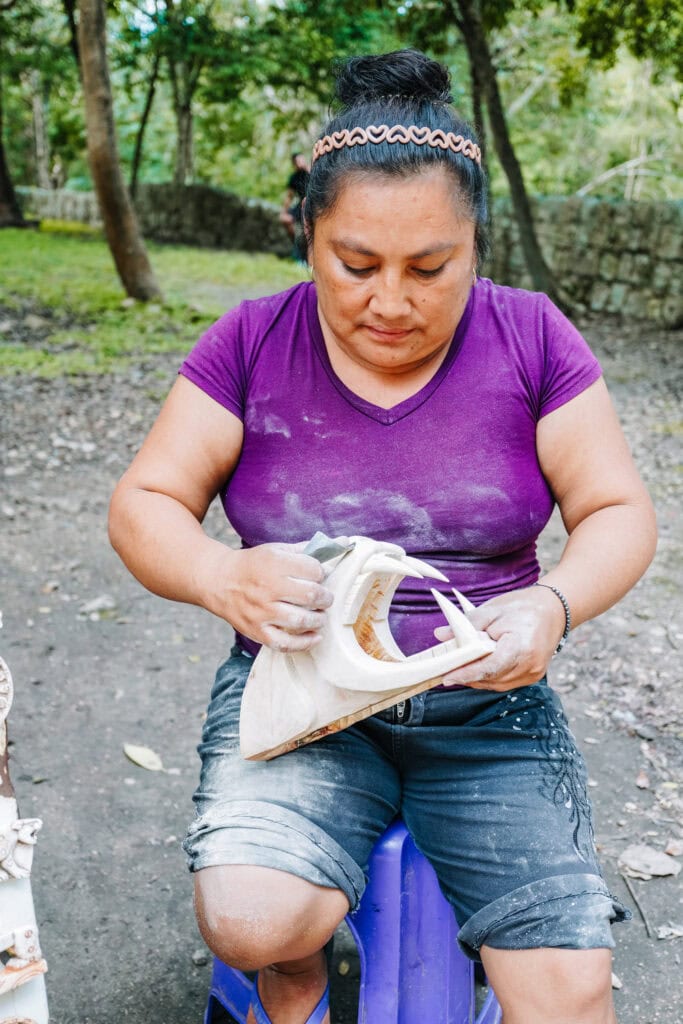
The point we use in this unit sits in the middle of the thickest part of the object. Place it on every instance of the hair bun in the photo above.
(404, 73)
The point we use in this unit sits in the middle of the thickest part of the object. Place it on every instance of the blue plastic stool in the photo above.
(412, 968)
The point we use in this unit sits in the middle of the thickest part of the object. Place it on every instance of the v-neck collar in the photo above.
(408, 405)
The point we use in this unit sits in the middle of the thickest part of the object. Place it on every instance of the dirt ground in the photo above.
(97, 662)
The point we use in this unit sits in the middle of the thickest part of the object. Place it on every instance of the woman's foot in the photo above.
(291, 991)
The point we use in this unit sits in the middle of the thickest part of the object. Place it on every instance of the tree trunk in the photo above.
(185, 149)
(480, 57)
(70, 12)
(149, 99)
(10, 211)
(477, 93)
(42, 146)
(118, 215)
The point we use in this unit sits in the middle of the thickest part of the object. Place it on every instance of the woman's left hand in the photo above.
(526, 625)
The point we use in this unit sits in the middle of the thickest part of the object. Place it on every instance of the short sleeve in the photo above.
(216, 363)
(569, 364)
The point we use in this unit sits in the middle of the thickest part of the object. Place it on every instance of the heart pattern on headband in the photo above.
(398, 133)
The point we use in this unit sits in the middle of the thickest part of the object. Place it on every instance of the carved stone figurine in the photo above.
(357, 668)
(22, 987)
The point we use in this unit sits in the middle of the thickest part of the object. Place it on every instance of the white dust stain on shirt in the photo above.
(260, 420)
(273, 424)
(353, 511)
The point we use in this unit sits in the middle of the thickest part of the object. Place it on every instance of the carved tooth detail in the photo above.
(466, 605)
(354, 600)
(381, 563)
(463, 630)
(424, 568)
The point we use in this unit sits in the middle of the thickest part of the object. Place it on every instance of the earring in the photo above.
(474, 276)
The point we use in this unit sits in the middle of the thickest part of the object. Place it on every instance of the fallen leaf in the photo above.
(670, 931)
(674, 847)
(144, 757)
(640, 860)
(103, 603)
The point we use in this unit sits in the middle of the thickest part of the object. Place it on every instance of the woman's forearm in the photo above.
(272, 593)
(165, 547)
(604, 556)
(607, 552)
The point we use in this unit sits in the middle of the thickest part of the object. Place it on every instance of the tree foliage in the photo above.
(650, 29)
(568, 79)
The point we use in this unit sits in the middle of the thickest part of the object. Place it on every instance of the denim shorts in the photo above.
(490, 785)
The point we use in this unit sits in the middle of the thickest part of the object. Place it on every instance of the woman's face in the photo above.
(393, 262)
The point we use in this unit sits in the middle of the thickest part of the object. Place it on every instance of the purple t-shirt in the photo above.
(450, 474)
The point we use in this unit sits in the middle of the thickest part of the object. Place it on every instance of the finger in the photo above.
(501, 666)
(285, 560)
(306, 594)
(288, 643)
(344, 542)
(301, 567)
(486, 615)
(295, 619)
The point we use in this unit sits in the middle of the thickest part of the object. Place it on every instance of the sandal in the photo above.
(316, 1017)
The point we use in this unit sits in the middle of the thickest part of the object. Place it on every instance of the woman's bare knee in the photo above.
(543, 986)
(253, 916)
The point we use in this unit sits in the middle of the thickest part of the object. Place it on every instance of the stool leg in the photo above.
(375, 925)
(439, 980)
(231, 989)
(411, 966)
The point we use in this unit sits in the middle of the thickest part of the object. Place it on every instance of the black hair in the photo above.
(401, 88)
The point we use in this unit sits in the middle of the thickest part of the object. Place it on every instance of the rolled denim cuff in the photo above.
(562, 911)
(258, 833)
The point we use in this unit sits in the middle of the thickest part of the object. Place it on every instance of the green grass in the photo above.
(65, 271)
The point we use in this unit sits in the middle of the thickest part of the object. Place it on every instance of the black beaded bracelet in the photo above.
(567, 614)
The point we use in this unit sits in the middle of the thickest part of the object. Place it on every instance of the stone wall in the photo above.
(192, 215)
(621, 258)
(611, 257)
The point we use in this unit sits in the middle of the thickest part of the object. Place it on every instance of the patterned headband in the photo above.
(436, 138)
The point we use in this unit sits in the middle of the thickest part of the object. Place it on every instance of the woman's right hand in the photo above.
(272, 593)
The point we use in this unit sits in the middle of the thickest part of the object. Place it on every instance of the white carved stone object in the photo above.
(22, 986)
(356, 669)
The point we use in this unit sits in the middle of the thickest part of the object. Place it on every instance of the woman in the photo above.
(400, 397)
